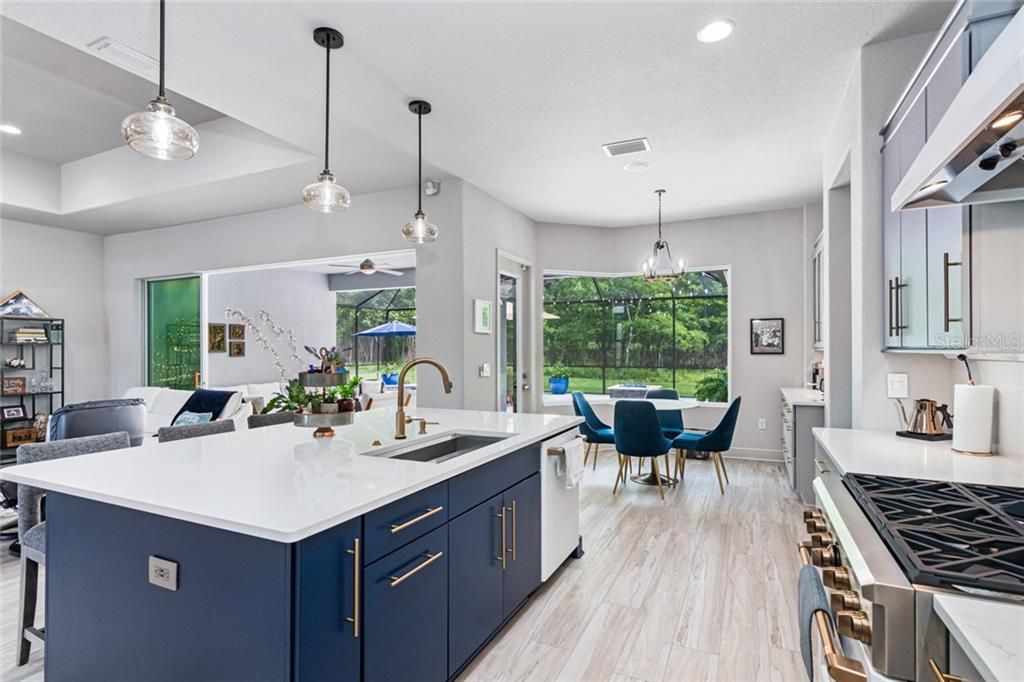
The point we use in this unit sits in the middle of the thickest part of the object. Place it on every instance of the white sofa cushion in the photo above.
(163, 403)
(147, 393)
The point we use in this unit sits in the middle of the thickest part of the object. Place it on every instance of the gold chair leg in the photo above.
(586, 453)
(718, 472)
(620, 475)
(597, 448)
(721, 463)
(668, 469)
(657, 476)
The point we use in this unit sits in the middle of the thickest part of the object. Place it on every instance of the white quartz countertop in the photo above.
(884, 453)
(803, 396)
(990, 633)
(278, 482)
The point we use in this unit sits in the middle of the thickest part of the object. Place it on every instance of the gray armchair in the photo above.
(100, 416)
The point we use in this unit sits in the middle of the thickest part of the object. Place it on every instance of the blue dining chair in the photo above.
(595, 431)
(671, 420)
(715, 441)
(638, 434)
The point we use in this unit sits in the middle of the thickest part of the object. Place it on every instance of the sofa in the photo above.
(256, 394)
(163, 403)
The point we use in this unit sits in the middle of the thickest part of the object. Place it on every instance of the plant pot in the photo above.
(346, 405)
(389, 378)
(326, 408)
(558, 385)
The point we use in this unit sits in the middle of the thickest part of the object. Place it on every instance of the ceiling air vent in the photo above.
(127, 58)
(627, 147)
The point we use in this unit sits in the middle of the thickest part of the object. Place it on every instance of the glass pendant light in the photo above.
(157, 131)
(325, 195)
(659, 264)
(420, 230)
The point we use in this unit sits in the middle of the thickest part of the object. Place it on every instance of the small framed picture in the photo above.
(483, 315)
(216, 334)
(236, 349)
(14, 412)
(236, 332)
(14, 385)
(15, 437)
(767, 336)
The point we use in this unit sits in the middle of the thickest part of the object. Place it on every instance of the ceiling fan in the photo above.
(368, 267)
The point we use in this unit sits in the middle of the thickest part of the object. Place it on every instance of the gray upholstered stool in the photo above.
(258, 420)
(32, 527)
(183, 431)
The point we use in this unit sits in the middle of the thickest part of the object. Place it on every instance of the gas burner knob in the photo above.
(817, 525)
(854, 624)
(811, 514)
(824, 557)
(822, 540)
(845, 600)
(837, 578)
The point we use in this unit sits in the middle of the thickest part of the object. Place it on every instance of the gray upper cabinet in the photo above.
(912, 291)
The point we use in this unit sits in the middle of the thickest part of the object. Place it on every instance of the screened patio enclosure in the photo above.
(624, 330)
(361, 310)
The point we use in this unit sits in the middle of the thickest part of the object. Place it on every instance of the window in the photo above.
(361, 310)
(172, 332)
(613, 330)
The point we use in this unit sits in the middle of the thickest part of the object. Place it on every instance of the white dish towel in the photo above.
(570, 464)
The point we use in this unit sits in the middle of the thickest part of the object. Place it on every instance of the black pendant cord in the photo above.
(161, 93)
(327, 111)
(659, 216)
(419, 173)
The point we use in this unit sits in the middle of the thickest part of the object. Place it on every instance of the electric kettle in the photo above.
(927, 421)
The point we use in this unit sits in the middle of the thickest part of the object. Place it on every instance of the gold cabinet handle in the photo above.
(504, 539)
(514, 541)
(946, 265)
(840, 668)
(941, 676)
(355, 589)
(822, 469)
(431, 558)
(430, 511)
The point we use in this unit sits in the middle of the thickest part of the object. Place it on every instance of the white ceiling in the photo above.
(524, 94)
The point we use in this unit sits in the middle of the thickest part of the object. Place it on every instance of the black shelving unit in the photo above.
(45, 355)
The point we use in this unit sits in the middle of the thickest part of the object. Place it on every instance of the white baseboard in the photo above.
(755, 454)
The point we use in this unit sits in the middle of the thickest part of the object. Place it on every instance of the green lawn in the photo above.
(588, 379)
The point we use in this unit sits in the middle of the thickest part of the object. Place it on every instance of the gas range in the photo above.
(887, 545)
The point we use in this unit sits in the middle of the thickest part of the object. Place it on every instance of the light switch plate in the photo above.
(485, 369)
(163, 573)
(897, 385)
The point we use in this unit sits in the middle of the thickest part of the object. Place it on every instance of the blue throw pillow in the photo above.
(205, 400)
(192, 418)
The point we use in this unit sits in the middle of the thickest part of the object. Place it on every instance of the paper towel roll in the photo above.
(972, 419)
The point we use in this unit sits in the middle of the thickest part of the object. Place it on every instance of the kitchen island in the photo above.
(266, 554)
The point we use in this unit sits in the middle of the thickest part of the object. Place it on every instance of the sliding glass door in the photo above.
(172, 332)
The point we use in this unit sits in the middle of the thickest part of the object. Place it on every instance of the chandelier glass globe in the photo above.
(325, 195)
(159, 133)
(420, 230)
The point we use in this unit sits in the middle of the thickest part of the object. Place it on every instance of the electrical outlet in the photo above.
(897, 385)
(485, 369)
(163, 573)
(762, 424)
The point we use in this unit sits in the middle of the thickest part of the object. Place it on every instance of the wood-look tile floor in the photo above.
(699, 587)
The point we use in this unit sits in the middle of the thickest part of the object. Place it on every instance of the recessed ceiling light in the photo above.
(636, 167)
(715, 31)
(9, 129)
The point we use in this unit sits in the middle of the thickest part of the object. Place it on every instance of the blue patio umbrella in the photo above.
(392, 328)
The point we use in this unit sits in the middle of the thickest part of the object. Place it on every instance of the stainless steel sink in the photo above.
(441, 449)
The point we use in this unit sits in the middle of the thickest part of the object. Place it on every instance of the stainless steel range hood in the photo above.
(974, 154)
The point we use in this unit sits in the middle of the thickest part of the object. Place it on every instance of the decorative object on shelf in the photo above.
(15, 386)
(157, 131)
(236, 332)
(558, 378)
(15, 363)
(26, 335)
(482, 316)
(216, 333)
(325, 195)
(40, 424)
(19, 304)
(659, 264)
(236, 349)
(330, 360)
(767, 336)
(15, 437)
(264, 344)
(419, 230)
(14, 412)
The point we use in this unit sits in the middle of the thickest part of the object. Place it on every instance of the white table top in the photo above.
(803, 396)
(278, 482)
(990, 633)
(886, 454)
(665, 404)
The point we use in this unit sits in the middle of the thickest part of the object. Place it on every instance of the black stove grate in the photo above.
(948, 534)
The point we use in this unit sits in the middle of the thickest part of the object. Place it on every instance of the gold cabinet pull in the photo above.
(840, 667)
(430, 511)
(946, 265)
(504, 539)
(514, 541)
(941, 676)
(430, 558)
(355, 588)
(822, 469)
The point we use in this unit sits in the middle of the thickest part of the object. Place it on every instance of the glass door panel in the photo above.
(172, 332)
(508, 342)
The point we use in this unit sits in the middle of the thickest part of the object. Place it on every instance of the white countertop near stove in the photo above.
(990, 633)
(803, 396)
(884, 453)
(278, 482)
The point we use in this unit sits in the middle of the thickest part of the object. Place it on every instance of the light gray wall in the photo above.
(297, 300)
(764, 252)
(62, 271)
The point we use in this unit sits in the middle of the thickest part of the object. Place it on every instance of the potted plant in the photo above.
(558, 378)
(294, 399)
(346, 395)
(389, 375)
